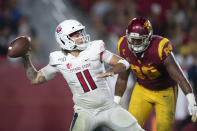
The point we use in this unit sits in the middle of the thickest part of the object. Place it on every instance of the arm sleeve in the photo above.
(49, 72)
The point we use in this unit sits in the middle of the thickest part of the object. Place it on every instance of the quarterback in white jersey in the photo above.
(81, 62)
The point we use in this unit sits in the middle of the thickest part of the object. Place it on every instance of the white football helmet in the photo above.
(63, 31)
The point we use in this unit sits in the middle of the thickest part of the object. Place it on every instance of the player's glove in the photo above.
(192, 107)
(117, 99)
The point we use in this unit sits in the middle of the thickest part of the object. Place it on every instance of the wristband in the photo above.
(123, 61)
(191, 99)
(117, 99)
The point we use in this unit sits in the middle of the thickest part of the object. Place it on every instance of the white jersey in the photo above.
(81, 74)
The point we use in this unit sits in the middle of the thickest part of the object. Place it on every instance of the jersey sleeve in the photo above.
(164, 49)
(101, 50)
(49, 72)
(100, 46)
(106, 57)
(53, 58)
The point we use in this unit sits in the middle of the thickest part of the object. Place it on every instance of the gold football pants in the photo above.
(143, 100)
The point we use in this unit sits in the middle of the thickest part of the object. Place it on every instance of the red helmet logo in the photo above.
(59, 29)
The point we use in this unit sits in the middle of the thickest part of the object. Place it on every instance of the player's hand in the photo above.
(193, 112)
(27, 53)
(106, 74)
(192, 107)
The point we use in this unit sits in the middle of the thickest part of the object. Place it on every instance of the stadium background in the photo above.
(48, 107)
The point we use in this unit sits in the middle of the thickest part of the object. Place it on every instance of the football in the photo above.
(19, 46)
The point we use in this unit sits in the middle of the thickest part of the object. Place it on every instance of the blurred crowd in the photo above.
(174, 19)
(14, 23)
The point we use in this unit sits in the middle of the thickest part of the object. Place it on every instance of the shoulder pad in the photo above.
(99, 45)
(121, 44)
(164, 49)
(56, 57)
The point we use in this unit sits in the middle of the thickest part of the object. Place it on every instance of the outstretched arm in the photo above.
(34, 76)
(121, 85)
(177, 75)
(118, 65)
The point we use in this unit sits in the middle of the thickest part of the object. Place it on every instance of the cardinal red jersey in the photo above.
(149, 70)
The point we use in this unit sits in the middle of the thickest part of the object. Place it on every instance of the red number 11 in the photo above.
(83, 83)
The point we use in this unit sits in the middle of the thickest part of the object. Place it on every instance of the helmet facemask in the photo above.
(82, 45)
(144, 40)
(139, 32)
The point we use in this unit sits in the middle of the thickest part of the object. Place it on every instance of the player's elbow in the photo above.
(39, 79)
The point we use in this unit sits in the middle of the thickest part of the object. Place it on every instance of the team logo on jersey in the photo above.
(59, 29)
(78, 68)
(68, 65)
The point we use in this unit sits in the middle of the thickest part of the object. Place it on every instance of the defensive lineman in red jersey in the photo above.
(157, 75)
(151, 64)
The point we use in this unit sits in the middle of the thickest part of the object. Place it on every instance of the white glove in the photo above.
(117, 99)
(192, 107)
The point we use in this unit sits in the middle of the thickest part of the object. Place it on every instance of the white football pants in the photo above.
(115, 118)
